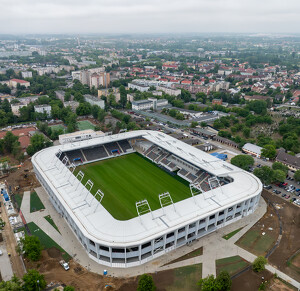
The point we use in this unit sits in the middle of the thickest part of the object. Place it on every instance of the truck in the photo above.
(64, 264)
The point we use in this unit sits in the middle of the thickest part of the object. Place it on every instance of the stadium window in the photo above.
(148, 244)
(134, 249)
(181, 229)
(212, 217)
(238, 214)
(170, 234)
(92, 243)
(103, 248)
(230, 209)
(192, 225)
(221, 212)
(118, 250)
(220, 222)
(202, 221)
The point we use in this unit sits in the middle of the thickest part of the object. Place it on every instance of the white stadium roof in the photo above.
(100, 226)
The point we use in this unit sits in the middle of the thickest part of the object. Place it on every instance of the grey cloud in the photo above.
(99, 16)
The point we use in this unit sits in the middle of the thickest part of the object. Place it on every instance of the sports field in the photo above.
(130, 178)
(85, 124)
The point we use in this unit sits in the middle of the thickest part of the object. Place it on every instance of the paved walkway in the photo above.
(214, 246)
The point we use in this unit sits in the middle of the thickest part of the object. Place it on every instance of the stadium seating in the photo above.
(165, 162)
(75, 154)
(124, 144)
(183, 172)
(152, 156)
(95, 153)
(191, 177)
(112, 146)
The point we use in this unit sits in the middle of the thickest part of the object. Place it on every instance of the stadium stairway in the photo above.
(83, 155)
(120, 148)
(106, 151)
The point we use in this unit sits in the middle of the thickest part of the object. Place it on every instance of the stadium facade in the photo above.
(220, 194)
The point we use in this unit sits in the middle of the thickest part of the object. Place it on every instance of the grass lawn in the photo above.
(130, 178)
(192, 254)
(35, 202)
(57, 127)
(186, 278)
(85, 124)
(19, 198)
(50, 220)
(231, 264)
(231, 234)
(254, 242)
(46, 241)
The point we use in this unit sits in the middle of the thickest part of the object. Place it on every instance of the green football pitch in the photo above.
(130, 178)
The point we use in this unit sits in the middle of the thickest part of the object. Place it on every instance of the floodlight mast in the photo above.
(143, 207)
(165, 199)
(79, 177)
(89, 184)
(99, 194)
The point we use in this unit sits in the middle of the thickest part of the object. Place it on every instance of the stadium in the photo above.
(134, 196)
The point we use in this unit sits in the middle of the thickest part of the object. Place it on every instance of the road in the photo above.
(15, 264)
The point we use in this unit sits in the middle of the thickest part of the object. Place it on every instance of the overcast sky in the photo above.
(147, 16)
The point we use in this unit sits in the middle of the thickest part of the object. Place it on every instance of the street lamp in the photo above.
(38, 282)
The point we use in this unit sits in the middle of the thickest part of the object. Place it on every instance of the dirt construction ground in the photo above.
(289, 244)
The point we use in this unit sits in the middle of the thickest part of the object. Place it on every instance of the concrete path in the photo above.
(214, 246)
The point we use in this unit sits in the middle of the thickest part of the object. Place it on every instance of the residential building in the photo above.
(15, 108)
(94, 101)
(139, 87)
(169, 91)
(72, 104)
(216, 102)
(13, 83)
(26, 74)
(45, 108)
(252, 149)
(60, 95)
(292, 162)
(149, 103)
(100, 79)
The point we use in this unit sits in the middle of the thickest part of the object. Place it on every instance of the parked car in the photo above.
(287, 196)
(283, 195)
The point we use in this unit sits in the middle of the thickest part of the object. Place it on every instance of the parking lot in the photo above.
(289, 190)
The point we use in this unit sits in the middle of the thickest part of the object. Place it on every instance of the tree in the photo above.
(34, 281)
(101, 115)
(269, 151)
(223, 281)
(259, 264)
(280, 166)
(265, 174)
(12, 285)
(69, 288)
(193, 124)
(297, 175)
(83, 109)
(243, 161)
(246, 132)
(146, 283)
(123, 96)
(9, 141)
(208, 284)
(31, 246)
(278, 176)
(37, 143)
